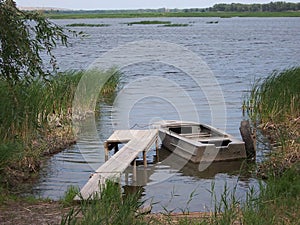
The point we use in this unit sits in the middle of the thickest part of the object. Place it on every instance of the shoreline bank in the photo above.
(89, 15)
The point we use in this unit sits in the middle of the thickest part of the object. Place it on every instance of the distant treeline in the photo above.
(270, 7)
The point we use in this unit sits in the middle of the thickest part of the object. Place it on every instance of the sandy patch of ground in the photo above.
(18, 212)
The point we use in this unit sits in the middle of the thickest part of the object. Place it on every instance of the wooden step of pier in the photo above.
(137, 141)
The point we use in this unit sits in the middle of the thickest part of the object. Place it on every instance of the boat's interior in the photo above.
(201, 134)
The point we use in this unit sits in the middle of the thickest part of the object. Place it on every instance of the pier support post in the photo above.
(126, 178)
(145, 158)
(134, 170)
(106, 150)
(116, 147)
(156, 148)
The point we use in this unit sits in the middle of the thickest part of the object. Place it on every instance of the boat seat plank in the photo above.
(196, 135)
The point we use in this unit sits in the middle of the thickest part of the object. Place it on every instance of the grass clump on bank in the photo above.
(276, 98)
(274, 107)
(87, 25)
(36, 120)
(276, 202)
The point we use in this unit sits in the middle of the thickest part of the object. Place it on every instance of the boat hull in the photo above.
(218, 146)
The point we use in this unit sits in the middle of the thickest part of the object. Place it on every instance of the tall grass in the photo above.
(273, 106)
(108, 207)
(31, 115)
(276, 202)
(29, 108)
(277, 97)
(26, 109)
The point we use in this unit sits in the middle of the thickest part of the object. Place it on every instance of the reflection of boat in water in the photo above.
(211, 168)
(171, 163)
(199, 142)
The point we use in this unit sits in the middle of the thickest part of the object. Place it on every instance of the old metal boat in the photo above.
(199, 142)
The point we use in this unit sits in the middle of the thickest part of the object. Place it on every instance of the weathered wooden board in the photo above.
(137, 141)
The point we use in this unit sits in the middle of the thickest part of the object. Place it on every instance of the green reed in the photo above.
(108, 207)
(94, 86)
(273, 106)
(30, 113)
(275, 201)
(276, 97)
(278, 201)
(69, 195)
(27, 109)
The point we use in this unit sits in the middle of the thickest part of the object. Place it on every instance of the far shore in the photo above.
(94, 15)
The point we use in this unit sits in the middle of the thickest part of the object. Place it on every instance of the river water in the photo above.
(237, 51)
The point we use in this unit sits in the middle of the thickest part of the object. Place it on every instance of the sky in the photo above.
(130, 4)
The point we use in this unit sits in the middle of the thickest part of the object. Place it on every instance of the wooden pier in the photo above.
(137, 141)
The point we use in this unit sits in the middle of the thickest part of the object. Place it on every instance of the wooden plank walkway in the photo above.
(137, 141)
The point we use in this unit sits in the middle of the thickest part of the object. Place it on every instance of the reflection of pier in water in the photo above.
(141, 176)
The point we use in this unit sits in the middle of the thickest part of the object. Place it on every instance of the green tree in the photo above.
(24, 37)
(269, 7)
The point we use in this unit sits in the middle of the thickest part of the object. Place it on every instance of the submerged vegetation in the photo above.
(148, 22)
(158, 22)
(211, 22)
(87, 25)
(176, 25)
